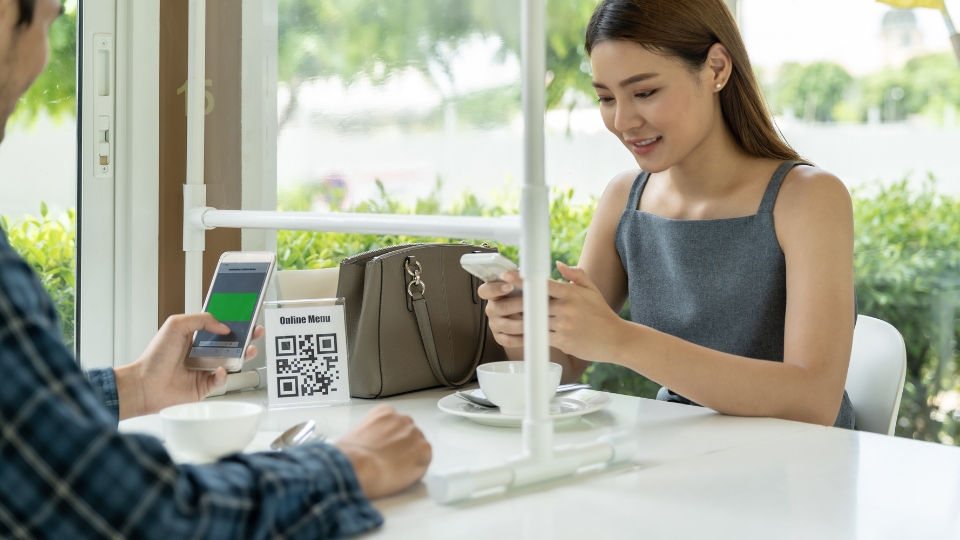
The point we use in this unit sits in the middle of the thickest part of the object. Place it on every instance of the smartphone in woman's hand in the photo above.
(490, 267)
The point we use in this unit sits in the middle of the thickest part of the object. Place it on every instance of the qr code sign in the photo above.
(307, 364)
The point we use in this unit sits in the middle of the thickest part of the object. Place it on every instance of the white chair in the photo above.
(878, 367)
(307, 284)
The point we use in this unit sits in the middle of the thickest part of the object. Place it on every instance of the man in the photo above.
(65, 471)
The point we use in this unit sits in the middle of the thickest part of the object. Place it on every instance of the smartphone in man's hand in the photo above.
(235, 296)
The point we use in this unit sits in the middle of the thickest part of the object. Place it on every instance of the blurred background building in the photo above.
(902, 37)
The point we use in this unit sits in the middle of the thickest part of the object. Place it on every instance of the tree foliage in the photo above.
(350, 39)
(811, 91)
(825, 92)
(925, 86)
(375, 40)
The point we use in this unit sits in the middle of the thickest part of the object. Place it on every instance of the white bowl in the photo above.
(505, 384)
(210, 430)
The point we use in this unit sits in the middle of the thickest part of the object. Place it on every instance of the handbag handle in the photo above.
(426, 331)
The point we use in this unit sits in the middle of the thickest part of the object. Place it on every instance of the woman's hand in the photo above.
(505, 313)
(160, 378)
(581, 322)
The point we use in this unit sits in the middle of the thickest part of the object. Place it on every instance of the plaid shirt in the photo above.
(66, 473)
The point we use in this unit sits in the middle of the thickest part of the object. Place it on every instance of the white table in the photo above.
(697, 474)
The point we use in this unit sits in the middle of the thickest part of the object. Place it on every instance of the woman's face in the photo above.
(652, 103)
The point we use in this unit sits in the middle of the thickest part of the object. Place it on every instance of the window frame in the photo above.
(118, 217)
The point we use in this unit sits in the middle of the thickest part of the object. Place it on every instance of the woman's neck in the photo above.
(714, 167)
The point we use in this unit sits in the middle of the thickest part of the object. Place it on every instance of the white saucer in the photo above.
(562, 408)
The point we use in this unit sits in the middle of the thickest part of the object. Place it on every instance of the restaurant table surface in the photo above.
(696, 474)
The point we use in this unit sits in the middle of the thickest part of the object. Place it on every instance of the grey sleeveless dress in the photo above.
(719, 283)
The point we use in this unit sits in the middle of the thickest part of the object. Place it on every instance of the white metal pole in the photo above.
(504, 229)
(194, 192)
(535, 234)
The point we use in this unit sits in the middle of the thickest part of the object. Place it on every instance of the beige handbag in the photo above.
(414, 319)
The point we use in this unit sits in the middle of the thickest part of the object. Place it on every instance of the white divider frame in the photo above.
(540, 461)
(195, 190)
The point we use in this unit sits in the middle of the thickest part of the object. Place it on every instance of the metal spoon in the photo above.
(479, 402)
(564, 388)
(484, 402)
(295, 436)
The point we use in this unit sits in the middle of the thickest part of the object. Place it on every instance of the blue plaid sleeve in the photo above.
(104, 380)
(65, 471)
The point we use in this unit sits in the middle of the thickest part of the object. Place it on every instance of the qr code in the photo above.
(307, 364)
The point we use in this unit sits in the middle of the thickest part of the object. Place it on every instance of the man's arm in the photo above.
(68, 473)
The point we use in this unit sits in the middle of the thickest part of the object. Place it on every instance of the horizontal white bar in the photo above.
(505, 230)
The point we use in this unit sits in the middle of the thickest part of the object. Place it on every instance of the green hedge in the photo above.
(298, 250)
(48, 244)
(907, 273)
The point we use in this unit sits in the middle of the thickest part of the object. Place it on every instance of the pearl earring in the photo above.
(719, 85)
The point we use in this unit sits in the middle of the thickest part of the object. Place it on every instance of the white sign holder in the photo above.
(306, 343)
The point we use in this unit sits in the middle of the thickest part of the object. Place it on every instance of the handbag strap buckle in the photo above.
(416, 278)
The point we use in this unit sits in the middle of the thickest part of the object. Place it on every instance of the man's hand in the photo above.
(160, 378)
(387, 451)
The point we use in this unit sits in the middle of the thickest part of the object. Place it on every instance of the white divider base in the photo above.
(463, 484)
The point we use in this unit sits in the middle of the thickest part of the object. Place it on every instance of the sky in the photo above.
(844, 31)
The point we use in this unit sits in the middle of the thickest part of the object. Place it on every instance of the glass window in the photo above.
(414, 107)
(38, 163)
(416, 96)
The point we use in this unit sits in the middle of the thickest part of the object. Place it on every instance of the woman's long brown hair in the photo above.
(686, 29)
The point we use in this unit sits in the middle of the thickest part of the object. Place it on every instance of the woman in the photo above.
(736, 257)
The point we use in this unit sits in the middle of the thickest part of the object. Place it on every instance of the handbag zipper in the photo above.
(409, 247)
(366, 255)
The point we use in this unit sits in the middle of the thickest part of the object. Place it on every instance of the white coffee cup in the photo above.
(209, 430)
(505, 384)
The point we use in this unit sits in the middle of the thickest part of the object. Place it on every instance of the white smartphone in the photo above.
(235, 296)
(489, 267)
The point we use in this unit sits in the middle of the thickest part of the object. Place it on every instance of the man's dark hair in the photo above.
(26, 12)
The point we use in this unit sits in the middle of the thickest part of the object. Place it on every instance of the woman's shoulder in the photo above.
(618, 189)
(811, 197)
(613, 201)
(807, 187)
